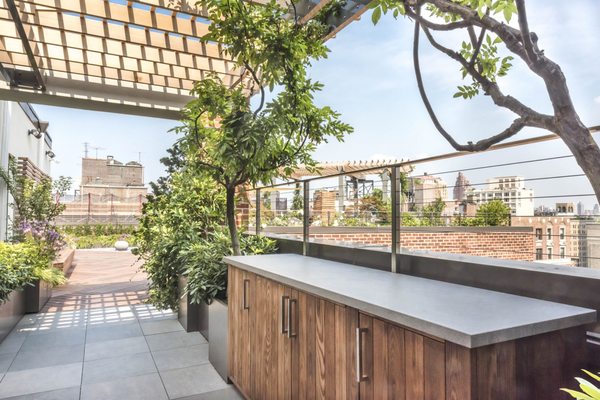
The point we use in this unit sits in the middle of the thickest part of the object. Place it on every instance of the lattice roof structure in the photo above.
(137, 57)
(356, 169)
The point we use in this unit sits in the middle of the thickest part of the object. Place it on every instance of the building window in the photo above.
(538, 254)
(549, 253)
(538, 234)
(562, 252)
(562, 233)
(549, 233)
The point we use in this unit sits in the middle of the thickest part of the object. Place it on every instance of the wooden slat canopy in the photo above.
(138, 57)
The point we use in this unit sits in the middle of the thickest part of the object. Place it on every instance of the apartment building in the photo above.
(555, 238)
(509, 189)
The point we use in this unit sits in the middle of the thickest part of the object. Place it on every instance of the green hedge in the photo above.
(23, 263)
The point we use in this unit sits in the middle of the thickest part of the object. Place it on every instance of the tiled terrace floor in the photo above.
(96, 339)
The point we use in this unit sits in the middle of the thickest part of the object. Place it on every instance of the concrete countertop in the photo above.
(468, 316)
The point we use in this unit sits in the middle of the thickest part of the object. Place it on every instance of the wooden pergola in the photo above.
(137, 57)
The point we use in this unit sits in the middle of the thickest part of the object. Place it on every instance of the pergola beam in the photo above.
(14, 12)
(129, 15)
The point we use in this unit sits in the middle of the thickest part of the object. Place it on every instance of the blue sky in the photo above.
(369, 79)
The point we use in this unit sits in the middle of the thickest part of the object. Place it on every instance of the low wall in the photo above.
(508, 243)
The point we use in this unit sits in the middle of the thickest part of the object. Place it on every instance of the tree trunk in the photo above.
(579, 140)
(231, 223)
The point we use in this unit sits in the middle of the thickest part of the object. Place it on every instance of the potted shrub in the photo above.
(22, 266)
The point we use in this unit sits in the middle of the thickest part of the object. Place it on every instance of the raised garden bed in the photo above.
(11, 312)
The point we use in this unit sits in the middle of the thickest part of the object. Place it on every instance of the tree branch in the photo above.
(491, 88)
(481, 145)
(525, 35)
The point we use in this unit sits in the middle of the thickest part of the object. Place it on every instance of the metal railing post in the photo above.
(257, 216)
(395, 213)
(305, 218)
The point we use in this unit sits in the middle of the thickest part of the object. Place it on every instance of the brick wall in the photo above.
(506, 243)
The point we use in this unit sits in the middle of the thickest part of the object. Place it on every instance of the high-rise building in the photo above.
(580, 208)
(596, 210)
(461, 187)
(509, 189)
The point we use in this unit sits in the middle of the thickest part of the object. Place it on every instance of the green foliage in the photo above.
(484, 58)
(494, 213)
(21, 264)
(375, 204)
(98, 241)
(186, 209)
(204, 267)
(432, 213)
(589, 390)
(298, 200)
(235, 144)
(87, 230)
(34, 201)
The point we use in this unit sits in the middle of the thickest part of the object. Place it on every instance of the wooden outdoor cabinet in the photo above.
(285, 344)
(241, 318)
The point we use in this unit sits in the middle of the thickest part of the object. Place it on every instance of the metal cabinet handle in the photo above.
(360, 375)
(291, 332)
(285, 322)
(245, 295)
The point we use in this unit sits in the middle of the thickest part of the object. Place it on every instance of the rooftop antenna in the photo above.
(97, 148)
(139, 153)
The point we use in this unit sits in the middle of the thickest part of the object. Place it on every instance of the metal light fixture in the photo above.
(50, 154)
(43, 126)
(35, 132)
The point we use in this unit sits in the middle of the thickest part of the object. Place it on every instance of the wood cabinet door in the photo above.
(240, 289)
(271, 348)
(398, 364)
(323, 351)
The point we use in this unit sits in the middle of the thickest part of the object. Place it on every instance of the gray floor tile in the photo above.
(161, 326)
(173, 340)
(191, 381)
(113, 331)
(47, 357)
(224, 394)
(60, 394)
(112, 348)
(143, 387)
(5, 360)
(60, 337)
(40, 380)
(181, 357)
(13, 342)
(108, 369)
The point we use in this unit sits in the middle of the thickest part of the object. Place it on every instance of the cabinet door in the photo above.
(240, 291)
(323, 353)
(271, 349)
(397, 364)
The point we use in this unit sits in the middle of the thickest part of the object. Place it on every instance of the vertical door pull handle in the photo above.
(360, 375)
(245, 297)
(285, 322)
(292, 305)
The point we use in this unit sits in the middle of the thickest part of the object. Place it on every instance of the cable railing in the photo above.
(510, 211)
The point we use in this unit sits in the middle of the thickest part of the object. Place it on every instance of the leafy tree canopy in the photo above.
(238, 145)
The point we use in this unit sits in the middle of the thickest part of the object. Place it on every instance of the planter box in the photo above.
(11, 313)
(218, 337)
(37, 296)
(193, 317)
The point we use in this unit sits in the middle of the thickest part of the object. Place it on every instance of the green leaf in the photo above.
(376, 15)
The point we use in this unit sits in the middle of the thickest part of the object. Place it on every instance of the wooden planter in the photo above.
(37, 296)
(11, 313)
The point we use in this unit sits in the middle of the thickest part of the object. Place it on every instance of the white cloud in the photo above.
(597, 99)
